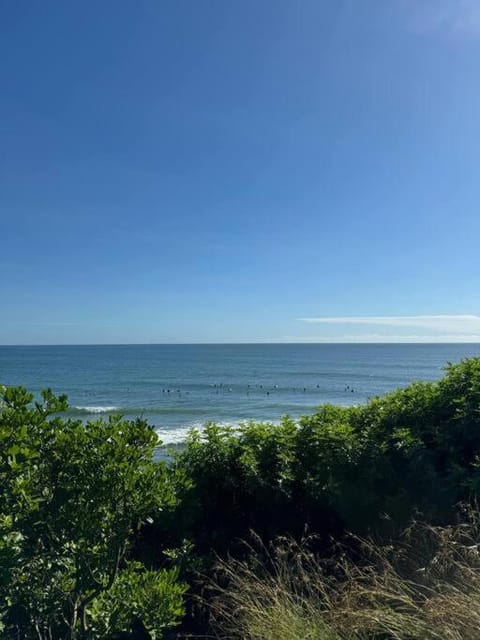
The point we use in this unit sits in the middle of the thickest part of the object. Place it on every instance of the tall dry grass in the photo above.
(425, 587)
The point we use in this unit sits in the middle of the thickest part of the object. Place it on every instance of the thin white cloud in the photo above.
(386, 338)
(444, 16)
(466, 324)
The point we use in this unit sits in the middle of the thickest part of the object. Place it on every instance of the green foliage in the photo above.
(153, 597)
(86, 513)
(366, 468)
(71, 497)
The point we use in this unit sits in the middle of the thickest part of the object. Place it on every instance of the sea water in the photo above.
(176, 387)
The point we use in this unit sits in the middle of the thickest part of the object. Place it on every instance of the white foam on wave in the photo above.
(95, 409)
(172, 436)
(178, 435)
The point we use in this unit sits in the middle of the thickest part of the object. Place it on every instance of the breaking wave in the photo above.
(93, 409)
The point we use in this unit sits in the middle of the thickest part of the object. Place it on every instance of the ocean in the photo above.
(176, 387)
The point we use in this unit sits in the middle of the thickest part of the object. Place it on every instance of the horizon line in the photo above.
(176, 344)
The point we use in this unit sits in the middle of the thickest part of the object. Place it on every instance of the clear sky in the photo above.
(244, 170)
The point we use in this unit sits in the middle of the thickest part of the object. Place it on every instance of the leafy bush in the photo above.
(86, 512)
(152, 597)
(71, 497)
(366, 468)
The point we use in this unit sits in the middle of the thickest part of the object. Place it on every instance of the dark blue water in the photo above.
(179, 386)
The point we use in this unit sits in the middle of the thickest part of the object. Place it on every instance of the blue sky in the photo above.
(212, 171)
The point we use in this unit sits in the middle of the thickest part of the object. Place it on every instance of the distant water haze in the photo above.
(176, 387)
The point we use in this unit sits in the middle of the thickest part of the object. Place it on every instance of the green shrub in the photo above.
(366, 468)
(71, 497)
(78, 560)
(153, 597)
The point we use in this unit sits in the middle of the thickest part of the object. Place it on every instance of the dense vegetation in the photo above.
(98, 538)
(363, 469)
(72, 497)
(424, 587)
